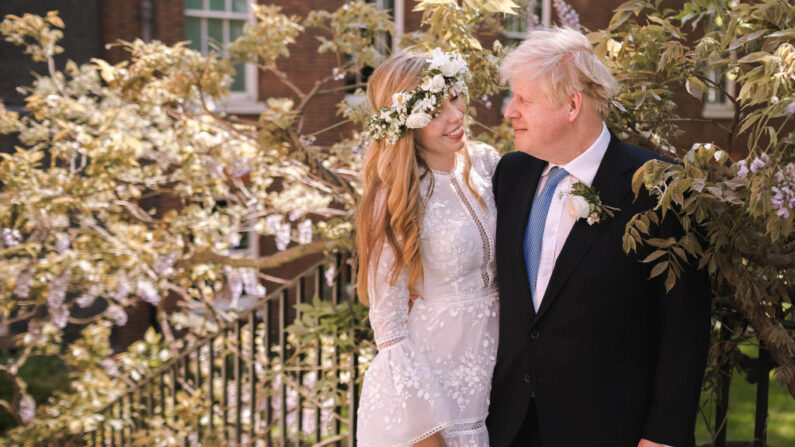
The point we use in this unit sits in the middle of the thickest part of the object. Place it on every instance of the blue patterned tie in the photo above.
(534, 234)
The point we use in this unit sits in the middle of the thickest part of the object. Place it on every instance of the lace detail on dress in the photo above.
(382, 345)
(484, 268)
(469, 426)
(432, 371)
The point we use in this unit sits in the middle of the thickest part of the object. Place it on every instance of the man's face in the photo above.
(538, 123)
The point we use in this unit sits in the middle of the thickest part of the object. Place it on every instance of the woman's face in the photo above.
(444, 135)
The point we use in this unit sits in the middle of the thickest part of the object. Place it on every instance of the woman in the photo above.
(425, 238)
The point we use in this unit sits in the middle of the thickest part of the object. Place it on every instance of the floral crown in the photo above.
(446, 73)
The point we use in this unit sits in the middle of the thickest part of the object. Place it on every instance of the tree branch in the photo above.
(274, 260)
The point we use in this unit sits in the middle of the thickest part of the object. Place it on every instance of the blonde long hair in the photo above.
(391, 206)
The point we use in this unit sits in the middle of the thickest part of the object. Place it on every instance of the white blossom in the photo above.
(283, 236)
(164, 265)
(329, 273)
(62, 243)
(437, 84)
(147, 291)
(273, 223)
(60, 316)
(305, 232)
(57, 292)
(86, 299)
(418, 120)
(110, 367)
(27, 409)
(400, 99)
(251, 284)
(11, 237)
(122, 287)
(234, 278)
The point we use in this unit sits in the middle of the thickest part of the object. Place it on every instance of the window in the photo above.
(516, 27)
(382, 43)
(210, 25)
(716, 103)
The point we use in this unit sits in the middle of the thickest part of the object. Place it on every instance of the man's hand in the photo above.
(647, 443)
(435, 440)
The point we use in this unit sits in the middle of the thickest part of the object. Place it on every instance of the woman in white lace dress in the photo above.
(425, 238)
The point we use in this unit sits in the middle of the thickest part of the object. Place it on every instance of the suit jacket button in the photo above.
(535, 334)
(528, 378)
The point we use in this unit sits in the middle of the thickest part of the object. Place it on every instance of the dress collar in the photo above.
(584, 167)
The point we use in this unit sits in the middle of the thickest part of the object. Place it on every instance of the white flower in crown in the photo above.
(437, 83)
(418, 120)
(400, 99)
(445, 75)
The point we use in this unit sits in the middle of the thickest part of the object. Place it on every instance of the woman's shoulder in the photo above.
(483, 156)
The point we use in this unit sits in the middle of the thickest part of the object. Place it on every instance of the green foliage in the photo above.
(737, 216)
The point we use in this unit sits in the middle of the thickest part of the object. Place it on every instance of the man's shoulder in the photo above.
(516, 160)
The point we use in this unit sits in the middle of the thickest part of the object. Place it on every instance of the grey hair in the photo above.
(564, 59)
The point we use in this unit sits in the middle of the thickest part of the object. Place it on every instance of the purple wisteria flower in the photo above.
(57, 293)
(118, 314)
(60, 316)
(11, 237)
(24, 281)
(566, 14)
(783, 199)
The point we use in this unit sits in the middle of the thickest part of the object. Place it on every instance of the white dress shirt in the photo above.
(559, 219)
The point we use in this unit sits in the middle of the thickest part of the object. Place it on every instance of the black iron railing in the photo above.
(248, 385)
(241, 385)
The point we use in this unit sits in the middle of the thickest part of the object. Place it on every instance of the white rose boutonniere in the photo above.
(584, 203)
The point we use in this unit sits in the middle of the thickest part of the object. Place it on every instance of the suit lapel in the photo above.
(526, 192)
(612, 189)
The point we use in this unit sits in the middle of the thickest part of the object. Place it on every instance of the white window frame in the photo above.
(246, 102)
(713, 107)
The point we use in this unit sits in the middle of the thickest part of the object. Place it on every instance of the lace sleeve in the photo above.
(403, 401)
(389, 303)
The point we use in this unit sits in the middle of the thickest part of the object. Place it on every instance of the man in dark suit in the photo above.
(591, 352)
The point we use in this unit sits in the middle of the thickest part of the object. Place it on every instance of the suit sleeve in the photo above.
(684, 324)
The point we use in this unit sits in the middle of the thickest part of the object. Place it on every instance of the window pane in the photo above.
(193, 32)
(194, 4)
(218, 5)
(240, 5)
(239, 82)
(215, 35)
(235, 29)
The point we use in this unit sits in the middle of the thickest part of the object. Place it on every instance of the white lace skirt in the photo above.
(437, 379)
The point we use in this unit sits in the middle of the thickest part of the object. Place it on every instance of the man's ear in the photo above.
(574, 105)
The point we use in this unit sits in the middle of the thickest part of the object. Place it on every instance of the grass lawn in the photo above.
(742, 401)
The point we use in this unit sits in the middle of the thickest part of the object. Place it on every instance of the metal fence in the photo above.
(235, 387)
(238, 386)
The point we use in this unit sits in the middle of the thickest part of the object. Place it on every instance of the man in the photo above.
(591, 352)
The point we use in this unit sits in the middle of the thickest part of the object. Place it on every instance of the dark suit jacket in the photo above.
(610, 357)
